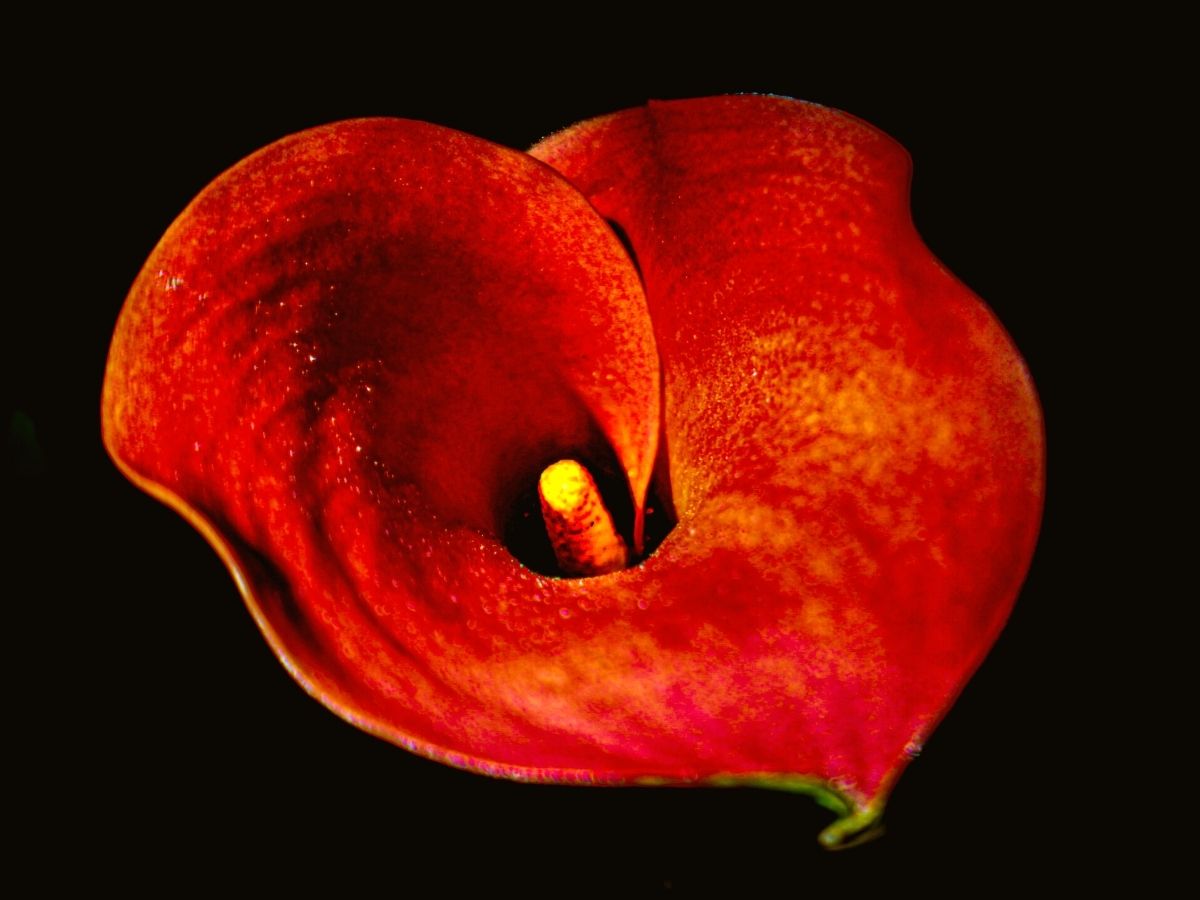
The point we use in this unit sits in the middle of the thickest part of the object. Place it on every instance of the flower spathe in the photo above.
(355, 348)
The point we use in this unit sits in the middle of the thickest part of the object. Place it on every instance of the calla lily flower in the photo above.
(355, 356)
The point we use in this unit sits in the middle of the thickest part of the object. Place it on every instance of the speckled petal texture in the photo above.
(855, 445)
(354, 349)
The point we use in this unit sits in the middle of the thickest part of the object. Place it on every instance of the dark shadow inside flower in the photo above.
(619, 231)
(523, 530)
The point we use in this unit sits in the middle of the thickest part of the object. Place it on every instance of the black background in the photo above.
(163, 740)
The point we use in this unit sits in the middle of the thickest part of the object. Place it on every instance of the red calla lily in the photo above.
(348, 360)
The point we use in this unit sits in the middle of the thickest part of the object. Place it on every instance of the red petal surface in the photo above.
(855, 445)
(341, 363)
(354, 348)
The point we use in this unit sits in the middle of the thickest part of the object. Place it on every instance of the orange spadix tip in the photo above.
(580, 527)
(565, 485)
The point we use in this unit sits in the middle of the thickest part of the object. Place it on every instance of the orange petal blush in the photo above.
(368, 356)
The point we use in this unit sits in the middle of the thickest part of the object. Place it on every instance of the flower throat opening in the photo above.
(575, 520)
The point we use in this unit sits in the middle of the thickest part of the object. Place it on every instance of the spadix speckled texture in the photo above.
(354, 348)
